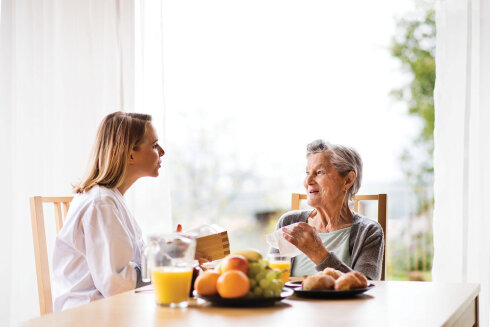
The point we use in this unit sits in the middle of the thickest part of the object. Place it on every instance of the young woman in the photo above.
(97, 252)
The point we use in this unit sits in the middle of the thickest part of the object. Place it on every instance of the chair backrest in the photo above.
(382, 205)
(40, 246)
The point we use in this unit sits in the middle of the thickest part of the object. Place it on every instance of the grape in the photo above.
(257, 291)
(276, 285)
(260, 276)
(255, 268)
(268, 293)
(270, 275)
(265, 283)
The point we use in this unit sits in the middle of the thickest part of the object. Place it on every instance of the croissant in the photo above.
(350, 280)
(318, 282)
(332, 272)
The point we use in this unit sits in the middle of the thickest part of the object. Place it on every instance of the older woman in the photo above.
(331, 235)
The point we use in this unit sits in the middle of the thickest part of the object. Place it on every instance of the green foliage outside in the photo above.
(414, 47)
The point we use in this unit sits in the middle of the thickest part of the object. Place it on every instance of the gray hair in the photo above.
(344, 160)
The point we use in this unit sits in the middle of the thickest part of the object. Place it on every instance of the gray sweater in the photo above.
(366, 243)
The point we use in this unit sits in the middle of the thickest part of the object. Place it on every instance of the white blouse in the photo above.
(97, 249)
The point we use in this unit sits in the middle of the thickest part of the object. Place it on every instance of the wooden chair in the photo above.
(40, 247)
(382, 205)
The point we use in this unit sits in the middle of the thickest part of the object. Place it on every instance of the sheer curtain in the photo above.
(462, 146)
(64, 65)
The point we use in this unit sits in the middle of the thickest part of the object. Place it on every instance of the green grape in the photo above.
(265, 283)
(277, 293)
(278, 273)
(263, 263)
(266, 263)
(257, 292)
(260, 276)
(270, 275)
(254, 269)
(268, 293)
(250, 294)
(253, 283)
(276, 285)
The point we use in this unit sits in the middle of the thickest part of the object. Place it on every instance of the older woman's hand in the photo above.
(305, 238)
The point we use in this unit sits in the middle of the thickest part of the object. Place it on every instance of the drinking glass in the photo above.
(169, 260)
(281, 262)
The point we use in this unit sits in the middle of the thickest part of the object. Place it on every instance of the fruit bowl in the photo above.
(245, 301)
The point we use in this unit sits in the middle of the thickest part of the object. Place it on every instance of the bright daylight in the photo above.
(194, 163)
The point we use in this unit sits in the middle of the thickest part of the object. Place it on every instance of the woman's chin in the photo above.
(312, 203)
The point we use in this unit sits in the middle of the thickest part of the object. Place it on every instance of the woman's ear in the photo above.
(349, 180)
(131, 158)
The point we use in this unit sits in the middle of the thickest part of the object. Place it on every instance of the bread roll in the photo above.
(318, 282)
(332, 272)
(350, 280)
(361, 277)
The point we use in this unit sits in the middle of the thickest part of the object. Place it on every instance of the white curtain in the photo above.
(150, 199)
(64, 66)
(462, 146)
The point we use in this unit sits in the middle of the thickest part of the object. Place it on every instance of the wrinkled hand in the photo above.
(305, 238)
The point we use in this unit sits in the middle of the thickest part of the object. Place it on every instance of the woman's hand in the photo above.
(305, 238)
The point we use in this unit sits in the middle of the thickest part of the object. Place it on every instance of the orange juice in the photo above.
(284, 266)
(171, 284)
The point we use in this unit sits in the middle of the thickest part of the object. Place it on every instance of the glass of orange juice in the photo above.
(169, 261)
(281, 262)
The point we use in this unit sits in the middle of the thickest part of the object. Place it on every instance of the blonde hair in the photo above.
(119, 133)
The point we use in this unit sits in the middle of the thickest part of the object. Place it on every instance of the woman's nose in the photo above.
(161, 152)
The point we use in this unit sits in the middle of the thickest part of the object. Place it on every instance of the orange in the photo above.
(232, 284)
(205, 283)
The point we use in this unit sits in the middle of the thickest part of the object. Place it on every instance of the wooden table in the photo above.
(389, 303)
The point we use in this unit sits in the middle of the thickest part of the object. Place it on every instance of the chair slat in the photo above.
(40, 246)
(41, 255)
(356, 205)
(382, 209)
(66, 207)
(57, 216)
(367, 197)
